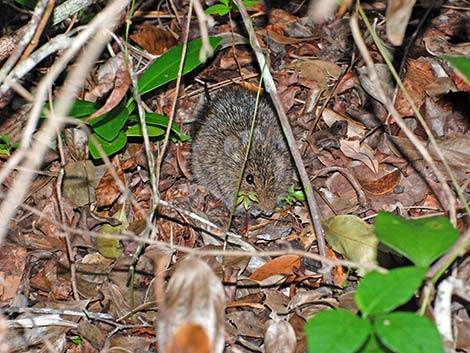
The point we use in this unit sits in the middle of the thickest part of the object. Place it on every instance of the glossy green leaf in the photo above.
(353, 238)
(373, 345)
(109, 147)
(338, 331)
(109, 125)
(217, 9)
(79, 109)
(420, 240)
(408, 333)
(158, 120)
(165, 68)
(379, 293)
(136, 131)
(461, 64)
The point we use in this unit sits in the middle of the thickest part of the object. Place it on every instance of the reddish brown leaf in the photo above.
(108, 189)
(282, 265)
(419, 75)
(153, 39)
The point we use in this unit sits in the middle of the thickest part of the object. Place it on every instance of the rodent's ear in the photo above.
(232, 145)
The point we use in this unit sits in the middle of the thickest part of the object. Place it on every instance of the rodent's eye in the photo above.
(249, 179)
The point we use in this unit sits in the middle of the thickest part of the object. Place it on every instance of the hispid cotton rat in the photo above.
(220, 136)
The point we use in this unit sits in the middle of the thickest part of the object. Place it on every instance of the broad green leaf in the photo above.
(353, 238)
(109, 125)
(30, 4)
(421, 240)
(249, 3)
(338, 331)
(379, 293)
(158, 120)
(408, 333)
(165, 68)
(136, 131)
(79, 109)
(109, 247)
(461, 64)
(109, 147)
(374, 346)
(217, 9)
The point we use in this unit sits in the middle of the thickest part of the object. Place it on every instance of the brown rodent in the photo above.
(220, 136)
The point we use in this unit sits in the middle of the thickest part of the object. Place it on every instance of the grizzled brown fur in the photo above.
(220, 137)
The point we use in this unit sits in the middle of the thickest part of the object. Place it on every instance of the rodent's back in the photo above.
(220, 136)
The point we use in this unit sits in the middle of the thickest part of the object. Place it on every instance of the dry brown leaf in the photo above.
(419, 75)
(12, 265)
(108, 190)
(194, 296)
(153, 39)
(319, 71)
(361, 152)
(380, 183)
(279, 337)
(113, 74)
(282, 265)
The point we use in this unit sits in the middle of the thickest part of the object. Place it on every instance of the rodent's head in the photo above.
(268, 171)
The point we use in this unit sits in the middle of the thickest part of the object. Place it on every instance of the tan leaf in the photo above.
(108, 189)
(361, 152)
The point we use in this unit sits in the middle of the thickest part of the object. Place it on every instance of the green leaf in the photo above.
(30, 4)
(379, 293)
(408, 333)
(421, 240)
(373, 345)
(461, 64)
(79, 109)
(109, 125)
(165, 68)
(338, 331)
(158, 120)
(109, 147)
(249, 3)
(353, 238)
(76, 340)
(136, 131)
(217, 9)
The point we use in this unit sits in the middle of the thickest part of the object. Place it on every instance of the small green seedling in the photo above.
(225, 6)
(245, 199)
(6, 146)
(292, 197)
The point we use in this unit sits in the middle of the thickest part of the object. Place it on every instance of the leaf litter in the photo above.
(264, 301)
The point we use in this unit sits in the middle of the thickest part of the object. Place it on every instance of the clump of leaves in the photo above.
(112, 130)
(6, 146)
(379, 329)
(225, 6)
(292, 197)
